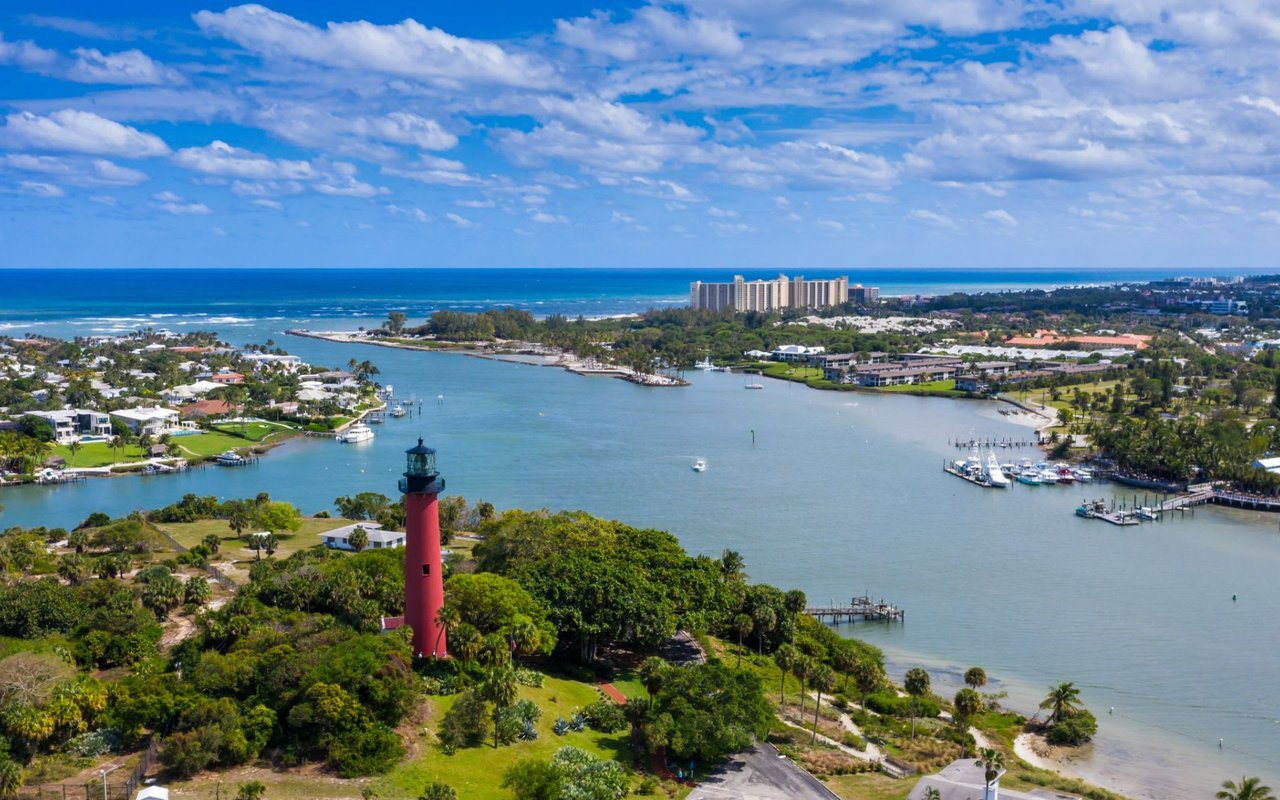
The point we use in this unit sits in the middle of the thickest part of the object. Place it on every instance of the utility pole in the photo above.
(104, 779)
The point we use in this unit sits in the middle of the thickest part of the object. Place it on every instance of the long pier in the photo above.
(989, 444)
(863, 608)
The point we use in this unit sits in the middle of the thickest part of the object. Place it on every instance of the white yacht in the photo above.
(398, 411)
(750, 383)
(699, 465)
(994, 473)
(705, 365)
(358, 432)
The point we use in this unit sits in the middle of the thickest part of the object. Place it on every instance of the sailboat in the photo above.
(752, 384)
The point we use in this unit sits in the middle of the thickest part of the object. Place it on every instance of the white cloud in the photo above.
(40, 189)
(459, 220)
(931, 218)
(175, 204)
(220, 158)
(74, 171)
(1001, 217)
(407, 49)
(266, 202)
(830, 224)
(130, 67)
(75, 131)
(548, 219)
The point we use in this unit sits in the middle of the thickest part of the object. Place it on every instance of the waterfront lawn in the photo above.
(100, 454)
(476, 772)
(940, 388)
(255, 431)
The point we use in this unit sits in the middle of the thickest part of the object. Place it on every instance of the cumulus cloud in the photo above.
(75, 131)
(459, 220)
(220, 158)
(74, 171)
(407, 49)
(88, 65)
(174, 204)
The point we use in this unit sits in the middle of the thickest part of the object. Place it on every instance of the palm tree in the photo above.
(932, 794)
(822, 679)
(743, 624)
(653, 673)
(500, 689)
(212, 542)
(1249, 788)
(766, 619)
(992, 763)
(975, 678)
(916, 682)
(802, 666)
(795, 602)
(785, 658)
(74, 447)
(733, 566)
(968, 703)
(358, 539)
(1062, 701)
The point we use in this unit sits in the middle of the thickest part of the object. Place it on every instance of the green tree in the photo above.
(197, 590)
(162, 594)
(74, 447)
(707, 711)
(822, 679)
(531, 779)
(1249, 788)
(358, 539)
(395, 325)
(795, 603)
(802, 666)
(992, 763)
(212, 542)
(733, 566)
(1062, 701)
(500, 689)
(917, 684)
(968, 703)
(278, 516)
(785, 657)
(975, 678)
(743, 624)
(766, 619)
(652, 673)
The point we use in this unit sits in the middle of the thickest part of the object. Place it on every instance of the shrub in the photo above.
(605, 716)
(886, 702)
(647, 786)
(369, 750)
(465, 724)
(1075, 729)
(560, 727)
(529, 677)
(95, 743)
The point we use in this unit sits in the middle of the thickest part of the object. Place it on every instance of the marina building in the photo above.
(778, 293)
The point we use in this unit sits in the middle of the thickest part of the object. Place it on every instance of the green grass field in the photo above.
(476, 772)
(236, 549)
(100, 454)
(940, 388)
(256, 431)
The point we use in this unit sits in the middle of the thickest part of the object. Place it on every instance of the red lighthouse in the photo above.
(423, 578)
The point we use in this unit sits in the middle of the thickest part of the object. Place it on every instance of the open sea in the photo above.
(839, 494)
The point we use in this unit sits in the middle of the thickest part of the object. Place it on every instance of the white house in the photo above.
(795, 352)
(287, 363)
(339, 538)
(150, 421)
(71, 424)
(1269, 464)
(190, 391)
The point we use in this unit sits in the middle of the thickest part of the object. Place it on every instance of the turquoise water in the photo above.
(840, 494)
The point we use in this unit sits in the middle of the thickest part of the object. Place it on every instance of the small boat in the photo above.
(1030, 477)
(750, 384)
(231, 459)
(1083, 475)
(705, 365)
(1085, 510)
(1048, 475)
(1148, 513)
(358, 432)
(398, 411)
(699, 465)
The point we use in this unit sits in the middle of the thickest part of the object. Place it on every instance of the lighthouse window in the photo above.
(426, 569)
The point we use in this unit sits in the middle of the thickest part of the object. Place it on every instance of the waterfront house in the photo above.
(977, 384)
(149, 421)
(795, 353)
(340, 538)
(227, 378)
(190, 391)
(202, 409)
(70, 424)
(261, 361)
(1269, 464)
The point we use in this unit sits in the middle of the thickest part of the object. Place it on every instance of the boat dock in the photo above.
(976, 480)
(970, 443)
(863, 608)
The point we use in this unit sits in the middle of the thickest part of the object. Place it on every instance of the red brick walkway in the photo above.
(613, 693)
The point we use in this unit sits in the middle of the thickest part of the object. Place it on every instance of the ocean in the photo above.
(833, 493)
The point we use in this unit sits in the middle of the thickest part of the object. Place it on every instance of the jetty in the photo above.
(976, 478)
(989, 444)
(863, 608)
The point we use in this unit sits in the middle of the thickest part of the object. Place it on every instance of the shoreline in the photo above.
(489, 350)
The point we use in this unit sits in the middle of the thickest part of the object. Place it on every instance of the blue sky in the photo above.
(790, 133)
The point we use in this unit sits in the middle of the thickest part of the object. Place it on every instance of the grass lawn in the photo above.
(870, 786)
(190, 534)
(100, 454)
(943, 388)
(627, 682)
(256, 431)
(476, 772)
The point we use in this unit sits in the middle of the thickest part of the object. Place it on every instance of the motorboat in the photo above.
(230, 459)
(398, 411)
(1083, 475)
(699, 465)
(359, 432)
(994, 473)
(705, 365)
(1029, 477)
(1048, 475)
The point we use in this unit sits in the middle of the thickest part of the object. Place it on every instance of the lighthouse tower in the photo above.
(423, 578)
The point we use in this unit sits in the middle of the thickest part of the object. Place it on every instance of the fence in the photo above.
(96, 789)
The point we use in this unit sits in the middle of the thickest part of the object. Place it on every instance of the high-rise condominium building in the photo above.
(770, 295)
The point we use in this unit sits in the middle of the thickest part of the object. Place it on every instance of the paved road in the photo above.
(761, 774)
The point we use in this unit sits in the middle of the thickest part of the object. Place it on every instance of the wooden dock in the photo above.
(863, 608)
(975, 480)
(989, 444)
